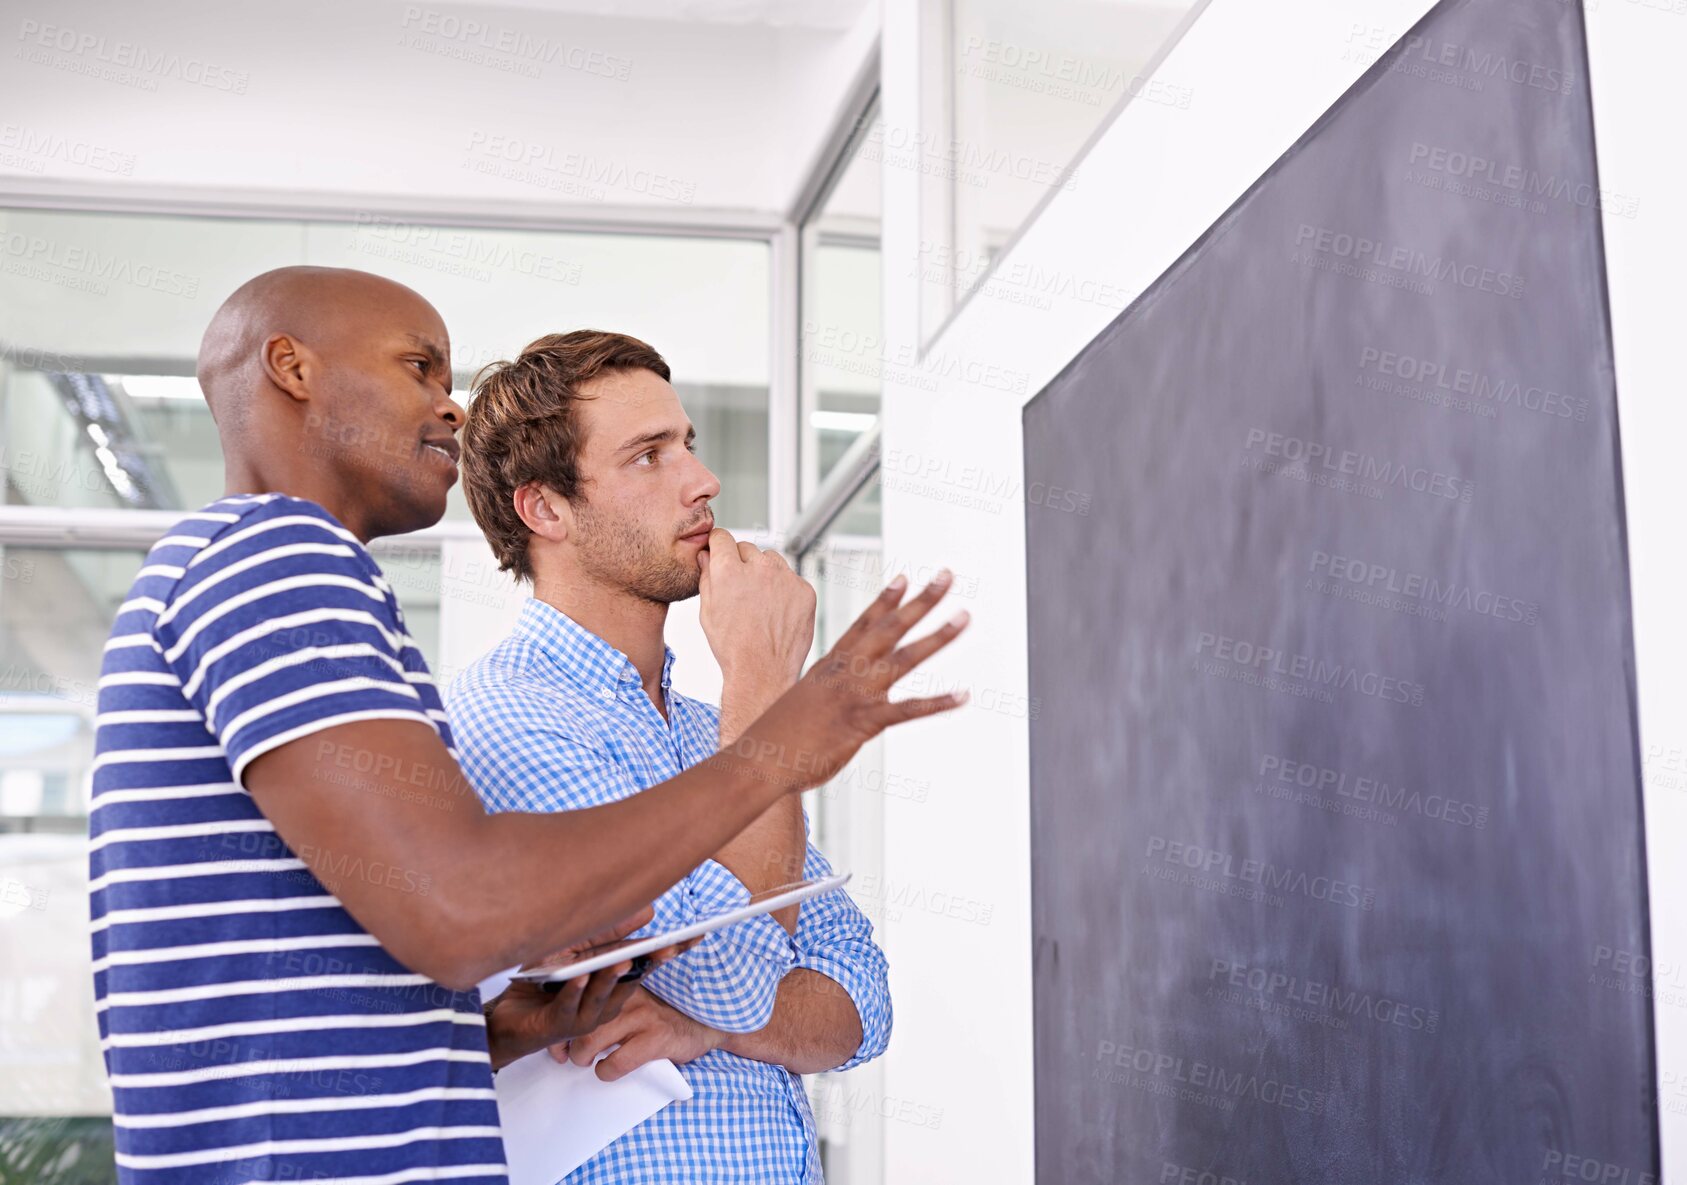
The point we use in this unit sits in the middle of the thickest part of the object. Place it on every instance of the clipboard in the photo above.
(632, 948)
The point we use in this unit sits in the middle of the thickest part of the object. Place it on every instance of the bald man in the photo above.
(294, 891)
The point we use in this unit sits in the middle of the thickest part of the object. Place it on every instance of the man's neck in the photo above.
(632, 625)
(239, 478)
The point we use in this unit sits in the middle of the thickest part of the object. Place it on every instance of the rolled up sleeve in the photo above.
(731, 980)
(835, 939)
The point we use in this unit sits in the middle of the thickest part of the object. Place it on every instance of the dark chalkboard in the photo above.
(1338, 867)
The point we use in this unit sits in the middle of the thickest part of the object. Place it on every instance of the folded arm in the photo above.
(833, 1010)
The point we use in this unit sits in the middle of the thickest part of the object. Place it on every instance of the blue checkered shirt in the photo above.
(555, 718)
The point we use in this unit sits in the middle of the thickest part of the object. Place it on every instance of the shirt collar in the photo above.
(585, 659)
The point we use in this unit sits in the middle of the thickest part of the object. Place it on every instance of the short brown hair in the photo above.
(522, 427)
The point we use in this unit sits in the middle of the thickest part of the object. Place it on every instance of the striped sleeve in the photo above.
(281, 626)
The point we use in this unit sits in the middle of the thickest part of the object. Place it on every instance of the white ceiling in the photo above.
(779, 14)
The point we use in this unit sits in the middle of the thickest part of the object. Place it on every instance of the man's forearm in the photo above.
(500, 889)
(762, 854)
(620, 859)
(815, 1026)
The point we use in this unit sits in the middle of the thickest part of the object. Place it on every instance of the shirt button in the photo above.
(607, 694)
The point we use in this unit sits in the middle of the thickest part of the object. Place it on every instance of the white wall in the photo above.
(1635, 52)
(960, 950)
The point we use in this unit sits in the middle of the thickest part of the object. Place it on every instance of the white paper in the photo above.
(556, 1115)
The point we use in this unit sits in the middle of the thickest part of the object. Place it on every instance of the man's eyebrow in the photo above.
(436, 355)
(660, 437)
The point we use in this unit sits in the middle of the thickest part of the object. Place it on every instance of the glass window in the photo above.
(847, 815)
(842, 351)
(1013, 93)
(56, 608)
(103, 314)
(100, 321)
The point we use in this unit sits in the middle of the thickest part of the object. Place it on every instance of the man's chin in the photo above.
(417, 512)
(683, 583)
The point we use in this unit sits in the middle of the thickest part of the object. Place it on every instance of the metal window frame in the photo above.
(942, 15)
(117, 528)
(820, 505)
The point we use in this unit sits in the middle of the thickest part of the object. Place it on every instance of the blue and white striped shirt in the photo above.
(252, 1030)
(555, 718)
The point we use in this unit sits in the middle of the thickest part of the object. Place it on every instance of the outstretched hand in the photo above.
(843, 701)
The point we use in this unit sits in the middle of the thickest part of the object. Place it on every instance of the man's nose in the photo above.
(451, 412)
(707, 485)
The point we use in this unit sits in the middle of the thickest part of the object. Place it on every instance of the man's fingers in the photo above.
(747, 551)
(722, 546)
(638, 1049)
(582, 1049)
(907, 616)
(884, 603)
(559, 1051)
(623, 928)
(890, 714)
(917, 651)
(618, 997)
(566, 999)
(596, 994)
(657, 958)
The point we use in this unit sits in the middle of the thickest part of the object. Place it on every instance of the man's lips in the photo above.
(443, 447)
(701, 534)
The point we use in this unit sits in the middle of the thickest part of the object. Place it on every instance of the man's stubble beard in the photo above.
(619, 554)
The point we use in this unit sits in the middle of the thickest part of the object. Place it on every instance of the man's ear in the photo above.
(290, 365)
(545, 512)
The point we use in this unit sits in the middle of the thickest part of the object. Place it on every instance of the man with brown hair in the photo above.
(274, 783)
(579, 466)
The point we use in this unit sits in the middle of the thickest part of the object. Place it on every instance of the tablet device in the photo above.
(633, 948)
